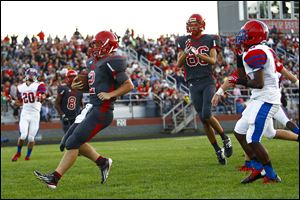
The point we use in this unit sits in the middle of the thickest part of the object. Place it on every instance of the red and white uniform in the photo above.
(30, 115)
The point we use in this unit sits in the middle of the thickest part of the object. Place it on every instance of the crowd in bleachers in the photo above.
(52, 57)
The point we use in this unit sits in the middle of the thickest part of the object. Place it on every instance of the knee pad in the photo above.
(23, 136)
(203, 120)
(205, 116)
(72, 143)
(30, 138)
(270, 134)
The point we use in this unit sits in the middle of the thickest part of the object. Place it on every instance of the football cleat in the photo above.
(267, 180)
(48, 179)
(16, 157)
(256, 174)
(244, 168)
(27, 158)
(227, 147)
(221, 157)
(104, 169)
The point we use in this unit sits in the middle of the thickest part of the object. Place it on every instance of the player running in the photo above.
(30, 94)
(292, 135)
(259, 65)
(107, 80)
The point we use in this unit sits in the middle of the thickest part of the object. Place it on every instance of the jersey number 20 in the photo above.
(28, 97)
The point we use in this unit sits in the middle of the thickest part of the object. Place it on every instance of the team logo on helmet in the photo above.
(253, 32)
(104, 43)
(71, 74)
(31, 74)
(195, 24)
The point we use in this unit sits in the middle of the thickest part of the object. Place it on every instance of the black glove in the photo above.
(65, 120)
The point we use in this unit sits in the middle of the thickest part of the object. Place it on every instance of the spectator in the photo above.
(41, 36)
(240, 105)
(56, 55)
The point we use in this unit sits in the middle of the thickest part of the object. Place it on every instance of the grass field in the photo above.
(182, 167)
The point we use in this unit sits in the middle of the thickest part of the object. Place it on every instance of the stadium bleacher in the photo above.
(53, 57)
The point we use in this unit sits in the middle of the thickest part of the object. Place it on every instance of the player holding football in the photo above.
(259, 65)
(197, 53)
(30, 95)
(68, 101)
(107, 80)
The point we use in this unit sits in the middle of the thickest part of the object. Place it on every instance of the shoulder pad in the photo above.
(255, 58)
(89, 61)
(180, 42)
(41, 88)
(117, 63)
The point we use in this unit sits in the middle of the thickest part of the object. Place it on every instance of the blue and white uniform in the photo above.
(256, 119)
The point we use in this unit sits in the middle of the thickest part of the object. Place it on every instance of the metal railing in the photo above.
(286, 55)
(150, 97)
(184, 89)
(132, 54)
(179, 117)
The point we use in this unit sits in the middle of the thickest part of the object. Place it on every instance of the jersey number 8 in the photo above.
(71, 103)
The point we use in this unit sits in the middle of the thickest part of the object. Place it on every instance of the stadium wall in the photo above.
(120, 129)
(232, 15)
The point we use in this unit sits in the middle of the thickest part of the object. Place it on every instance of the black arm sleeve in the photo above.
(239, 61)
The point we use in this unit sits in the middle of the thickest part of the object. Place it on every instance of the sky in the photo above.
(148, 18)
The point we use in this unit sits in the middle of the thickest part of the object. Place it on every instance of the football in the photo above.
(84, 79)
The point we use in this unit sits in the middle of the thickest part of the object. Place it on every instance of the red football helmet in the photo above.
(195, 24)
(71, 74)
(104, 43)
(253, 32)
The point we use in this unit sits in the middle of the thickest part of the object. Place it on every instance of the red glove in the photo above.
(239, 81)
(233, 79)
(238, 51)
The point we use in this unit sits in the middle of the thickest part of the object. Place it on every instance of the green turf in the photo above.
(184, 167)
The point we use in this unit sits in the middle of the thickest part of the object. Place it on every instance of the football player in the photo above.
(68, 101)
(259, 65)
(107, 80)
(292, 135)
(30, 95)
(197, 53)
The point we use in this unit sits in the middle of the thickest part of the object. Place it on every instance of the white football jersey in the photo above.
(263, 57)
(29, 95)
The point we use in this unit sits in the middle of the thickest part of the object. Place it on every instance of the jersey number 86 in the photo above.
(192, 60)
